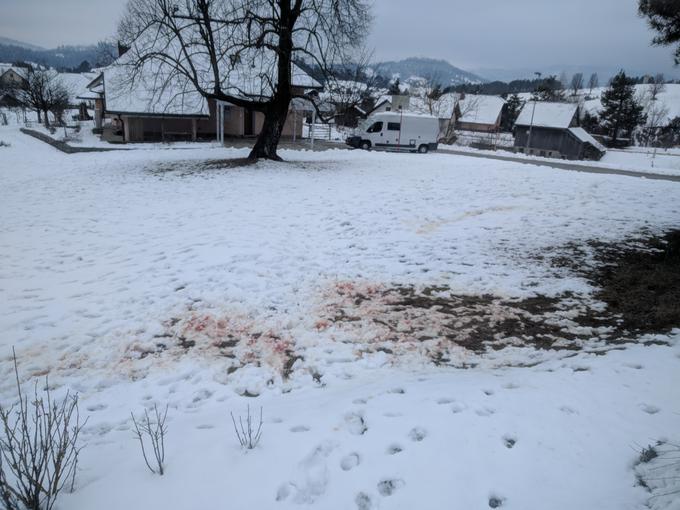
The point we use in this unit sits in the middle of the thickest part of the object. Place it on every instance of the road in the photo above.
(565, 165)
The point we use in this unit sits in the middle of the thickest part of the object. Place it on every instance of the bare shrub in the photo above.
(152, 430)
(248, 434)
(38, 448)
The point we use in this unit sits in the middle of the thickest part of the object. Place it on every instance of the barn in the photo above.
(552, 130)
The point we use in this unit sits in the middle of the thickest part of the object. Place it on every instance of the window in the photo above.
(394, 126)
(375, 128)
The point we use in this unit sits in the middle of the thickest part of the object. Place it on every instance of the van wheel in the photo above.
(366, 145)
(423, 149)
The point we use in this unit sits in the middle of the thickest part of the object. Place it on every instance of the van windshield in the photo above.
(375, 128)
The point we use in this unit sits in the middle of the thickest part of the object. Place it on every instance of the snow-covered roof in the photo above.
(156, 89)
(151, 94)
(480, 109)
(76, 83)
(21, 71)
(550, 115)
(586, 137)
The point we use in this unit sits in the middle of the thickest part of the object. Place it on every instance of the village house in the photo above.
(552, 130)
(12, 79)
(144, 110)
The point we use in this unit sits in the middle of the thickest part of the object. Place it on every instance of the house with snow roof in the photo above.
(552, 130)
(153, 107)
(13, 77)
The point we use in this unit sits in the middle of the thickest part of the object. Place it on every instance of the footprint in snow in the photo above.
(394, 449)
(509, 441)
(363, 501)
(388, 487)
(398, 391)
(350, 461)
(488, 393)
(359, 401)
(444, 401)
(511, 386)
(649, 409)
(417, 434)
(458, 407)
(205, 426)
(635, 366)
(496, 502)
(568, 410)
(485, 411)
(96, 407)
(299, 428)
(356, 424)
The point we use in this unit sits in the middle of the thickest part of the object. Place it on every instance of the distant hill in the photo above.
(440, 71)
(6, 41)
(61, 58)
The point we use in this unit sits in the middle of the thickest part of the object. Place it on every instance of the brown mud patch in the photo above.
(637, 292)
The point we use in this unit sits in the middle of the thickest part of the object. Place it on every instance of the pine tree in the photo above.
(510, 112)
(663, 17)
(620, 109)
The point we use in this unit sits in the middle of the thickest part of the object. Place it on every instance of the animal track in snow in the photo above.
(485, 411)
(398, 391)
(356, 424)
(568, 410)
(394, 449)
(649, 409)
(496, 502)
(363, 501)
(509, 441)
(444, 401)
(350, 461)
(417, 434)
(388, 487)
(458, 407)
(96, 407)
(488, 393)
(299, 428)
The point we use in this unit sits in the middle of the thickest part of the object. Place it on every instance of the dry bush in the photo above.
(248, 434)
(152, 430)
(39, 448)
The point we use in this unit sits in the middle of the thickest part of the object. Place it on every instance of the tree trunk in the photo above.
(47, 119)
(39, 116)
(267, 142)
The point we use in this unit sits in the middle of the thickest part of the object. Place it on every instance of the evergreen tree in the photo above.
(395, 88)
(549, 89)
(510, 112)
(620, 109)
(663, 16)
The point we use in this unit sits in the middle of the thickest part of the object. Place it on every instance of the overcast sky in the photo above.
(471, 34)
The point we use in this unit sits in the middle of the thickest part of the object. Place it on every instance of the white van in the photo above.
(398, 132)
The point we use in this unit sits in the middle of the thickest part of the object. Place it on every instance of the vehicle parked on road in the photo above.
(398, 131)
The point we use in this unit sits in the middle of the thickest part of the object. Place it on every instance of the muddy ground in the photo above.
(638, 293)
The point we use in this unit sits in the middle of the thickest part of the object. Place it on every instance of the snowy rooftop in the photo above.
(586, 137)
(479, 109)
(551, 115)
(21, 71)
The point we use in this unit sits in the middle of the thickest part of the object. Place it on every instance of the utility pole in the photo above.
(531, 126)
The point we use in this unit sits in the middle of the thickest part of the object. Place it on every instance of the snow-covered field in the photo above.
(104, 255)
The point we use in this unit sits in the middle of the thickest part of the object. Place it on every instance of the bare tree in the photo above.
(152, 430)
(576, 83)
(463, 106)
(241, 51)
(656, 86)
(593, 83)
(355, 85)
(39, 447)
(45, 94)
